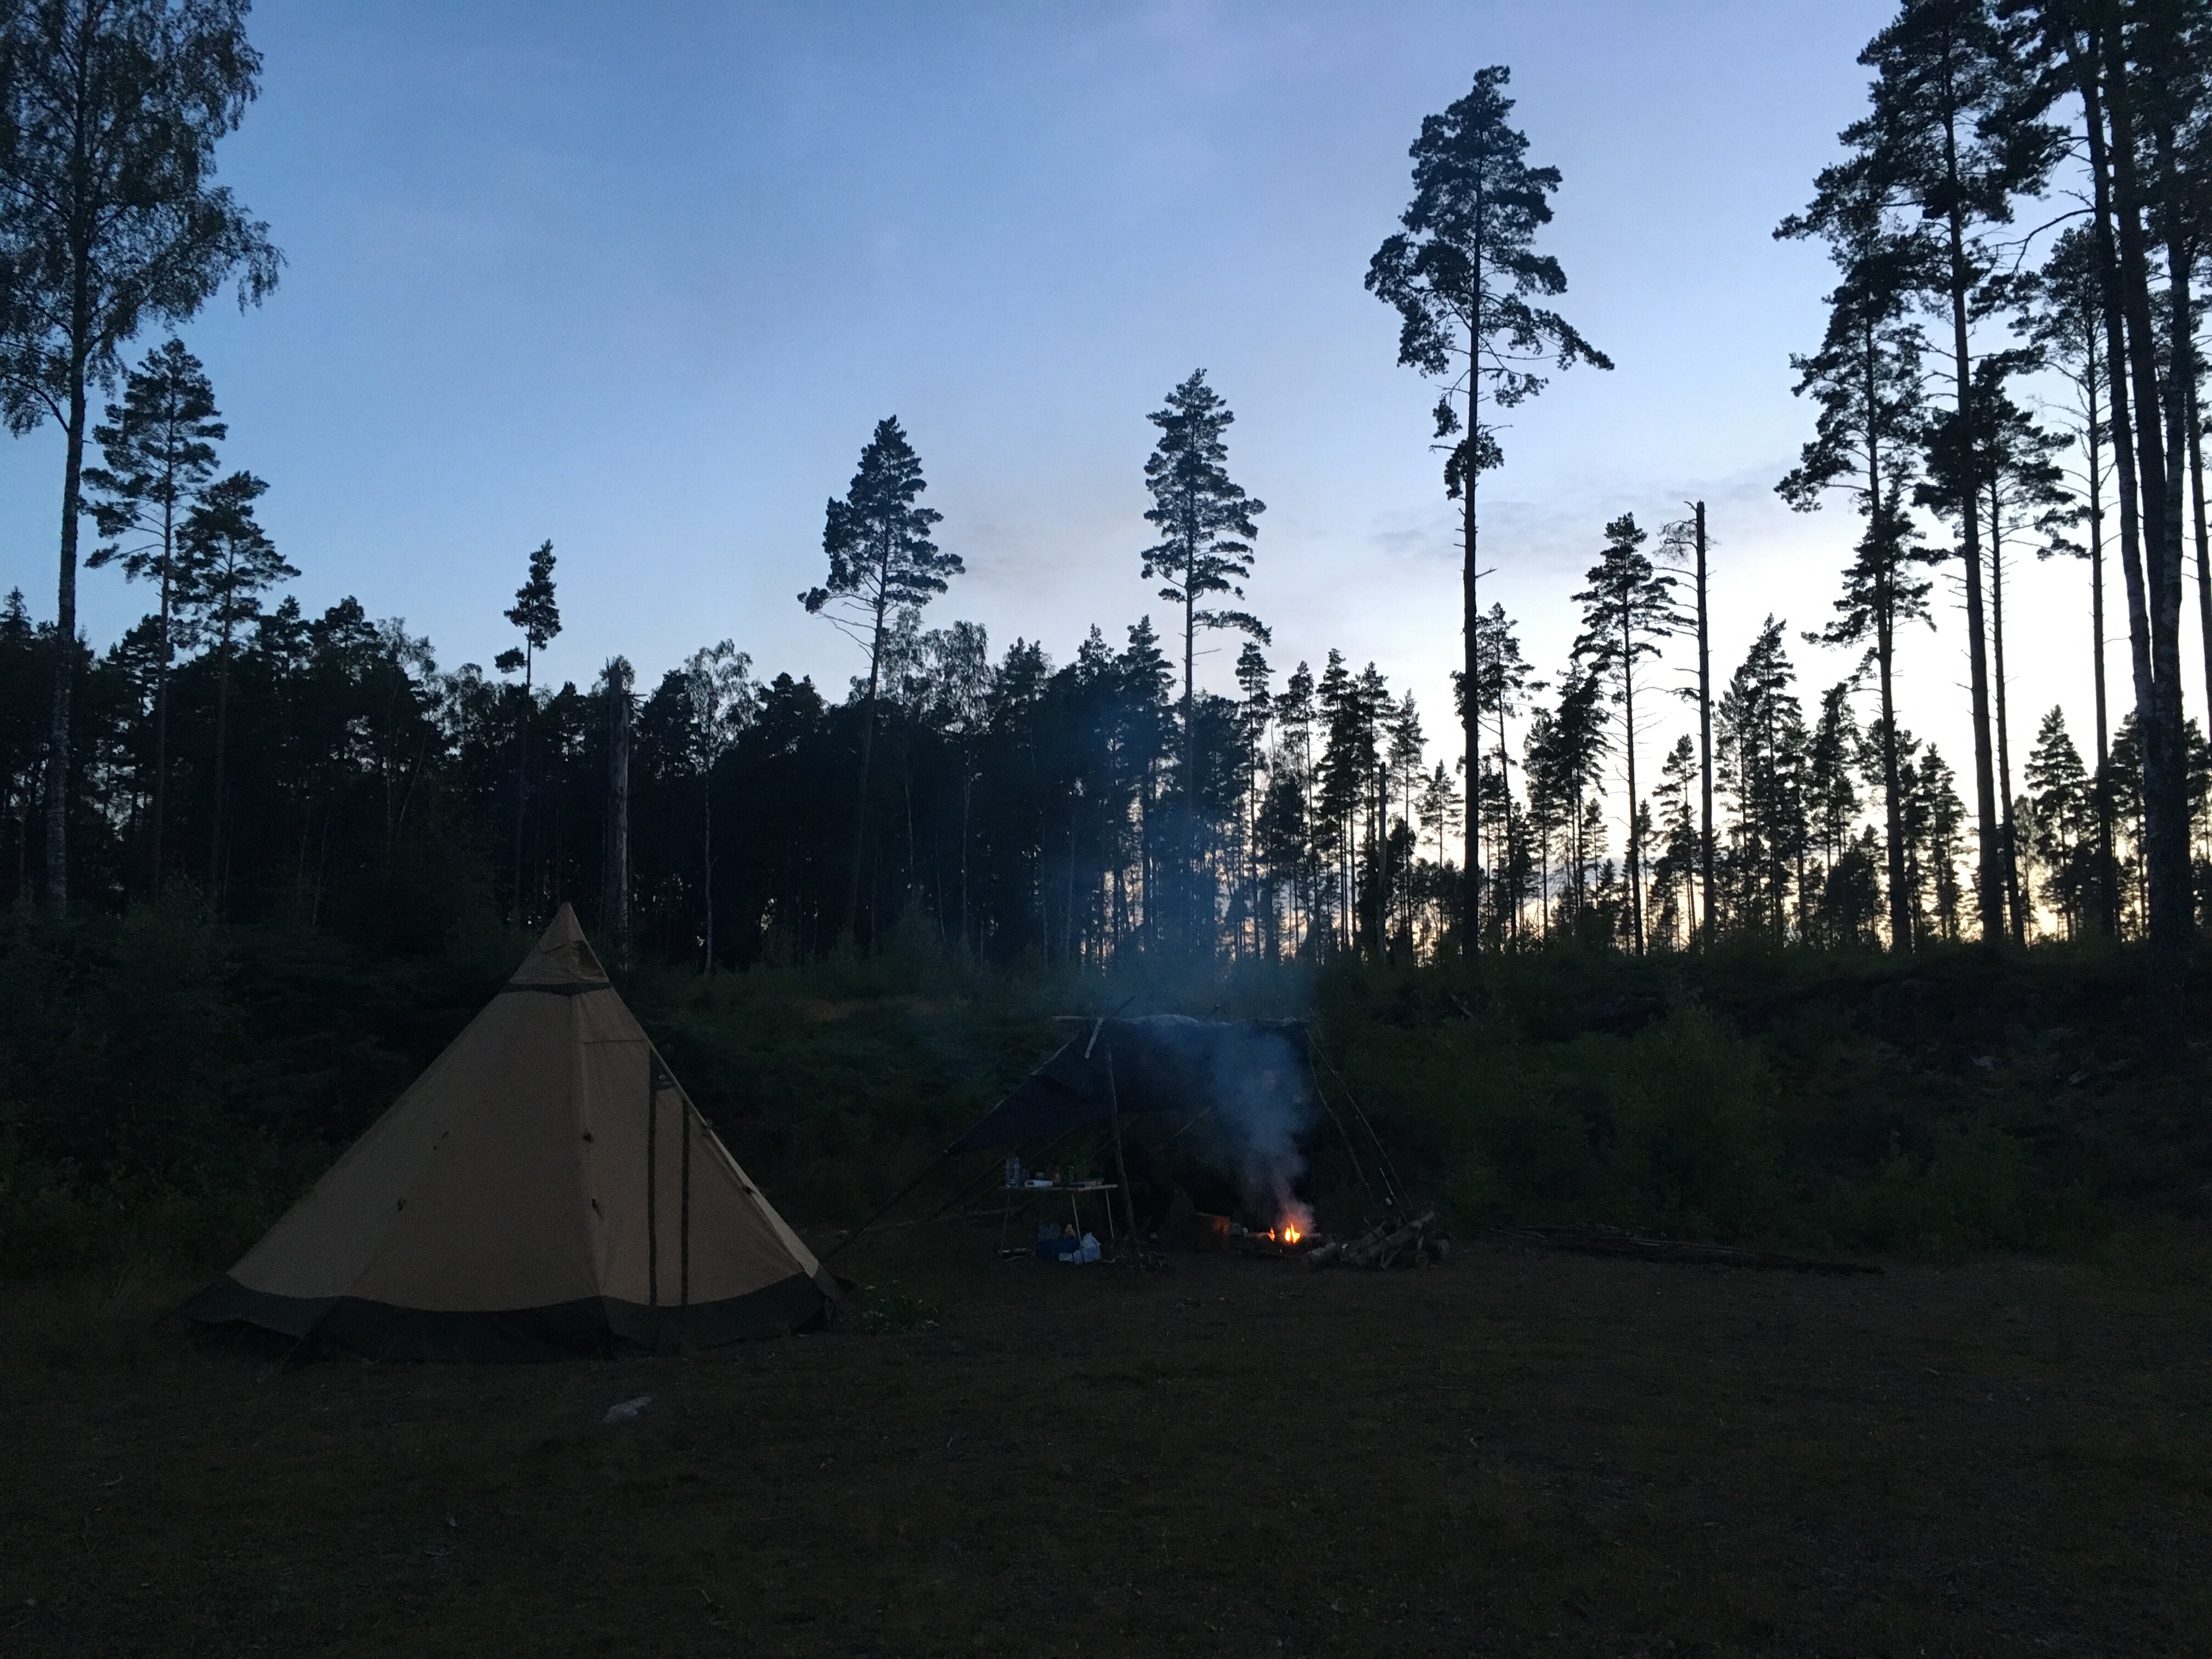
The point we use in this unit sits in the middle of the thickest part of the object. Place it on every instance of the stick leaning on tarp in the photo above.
(938, 1161)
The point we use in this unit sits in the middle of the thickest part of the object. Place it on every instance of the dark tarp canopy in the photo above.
(1164, 1063)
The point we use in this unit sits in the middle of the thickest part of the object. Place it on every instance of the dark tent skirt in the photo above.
(378, 1330)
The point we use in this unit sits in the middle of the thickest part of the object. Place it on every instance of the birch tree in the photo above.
(110, 219)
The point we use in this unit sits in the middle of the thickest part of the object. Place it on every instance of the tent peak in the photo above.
(563, 955)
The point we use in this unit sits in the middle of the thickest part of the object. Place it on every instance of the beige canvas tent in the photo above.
(545, 1188)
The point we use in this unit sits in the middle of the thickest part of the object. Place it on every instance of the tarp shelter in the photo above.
(545, 1188)
(1157, 1063)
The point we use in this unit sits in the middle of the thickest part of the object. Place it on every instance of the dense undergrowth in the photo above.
(168, 1085)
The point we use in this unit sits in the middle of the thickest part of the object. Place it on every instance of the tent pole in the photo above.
(652, 1180)
(983, 1178)
(1345, 1135)
(683, 1248)
(843, 1243)
(1392, 1186)
(908, 1188)
(1120, 1167)
(934, 1167)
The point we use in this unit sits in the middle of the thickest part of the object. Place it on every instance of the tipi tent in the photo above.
(545, 1188)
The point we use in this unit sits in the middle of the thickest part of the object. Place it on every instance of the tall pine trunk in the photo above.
(1988, 895)
(162, 660)
(707, 856)
(2203, 548)
(2108, 887)
(2181, 346)
(1706, 852)
(2007, 825)
(1470, 704)
(614, 867)
(2088, 83)
(522, 769)
(221, 740)
(1188, 837)
(1628, 744)
(64, 687)
(868, 740)
(1502, 854)
(1879, 530)
(2165, 786)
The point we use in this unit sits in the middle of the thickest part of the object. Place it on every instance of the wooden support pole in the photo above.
(652, 1180)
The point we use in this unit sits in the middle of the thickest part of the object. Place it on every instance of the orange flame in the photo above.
(1291, 1234)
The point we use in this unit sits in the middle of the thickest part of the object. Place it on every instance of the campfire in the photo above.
(1391, 1242)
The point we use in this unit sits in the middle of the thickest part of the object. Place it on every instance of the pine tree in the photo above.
(2062, 822)
(1627, 609)
(1402, 765)
(1255, 714)
(1503, 677)
(1832, 753)
(2005, 459)
(1205, 527)
(1866, 381)
(1145, 737)
(1676, 824)
(617, 682)
(1440, 814)
(1687, 544)
(1762, 753)
(228, 563)
(2068, 326)
(881, 561)
(718, 682)
(159, 446)
(1946, 147)
(2139, 75)
(1938, 815)
(1849, 908)
(537, 612)
(1290, 798)
(1566, 757)
(1467, 282)
(1374, 706)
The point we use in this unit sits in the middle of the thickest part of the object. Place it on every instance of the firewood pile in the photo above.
(1388, 1243)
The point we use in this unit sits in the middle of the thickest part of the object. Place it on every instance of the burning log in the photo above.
(1386, 1245)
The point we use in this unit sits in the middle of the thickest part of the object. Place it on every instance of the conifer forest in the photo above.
(2010, 372)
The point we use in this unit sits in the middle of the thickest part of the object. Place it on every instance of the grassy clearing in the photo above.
(1512, 1455)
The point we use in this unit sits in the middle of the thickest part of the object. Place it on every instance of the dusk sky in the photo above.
(642, 279)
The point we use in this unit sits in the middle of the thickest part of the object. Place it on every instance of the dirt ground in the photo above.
(1514, 1454)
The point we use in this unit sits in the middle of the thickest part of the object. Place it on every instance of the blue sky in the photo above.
(641, 279)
